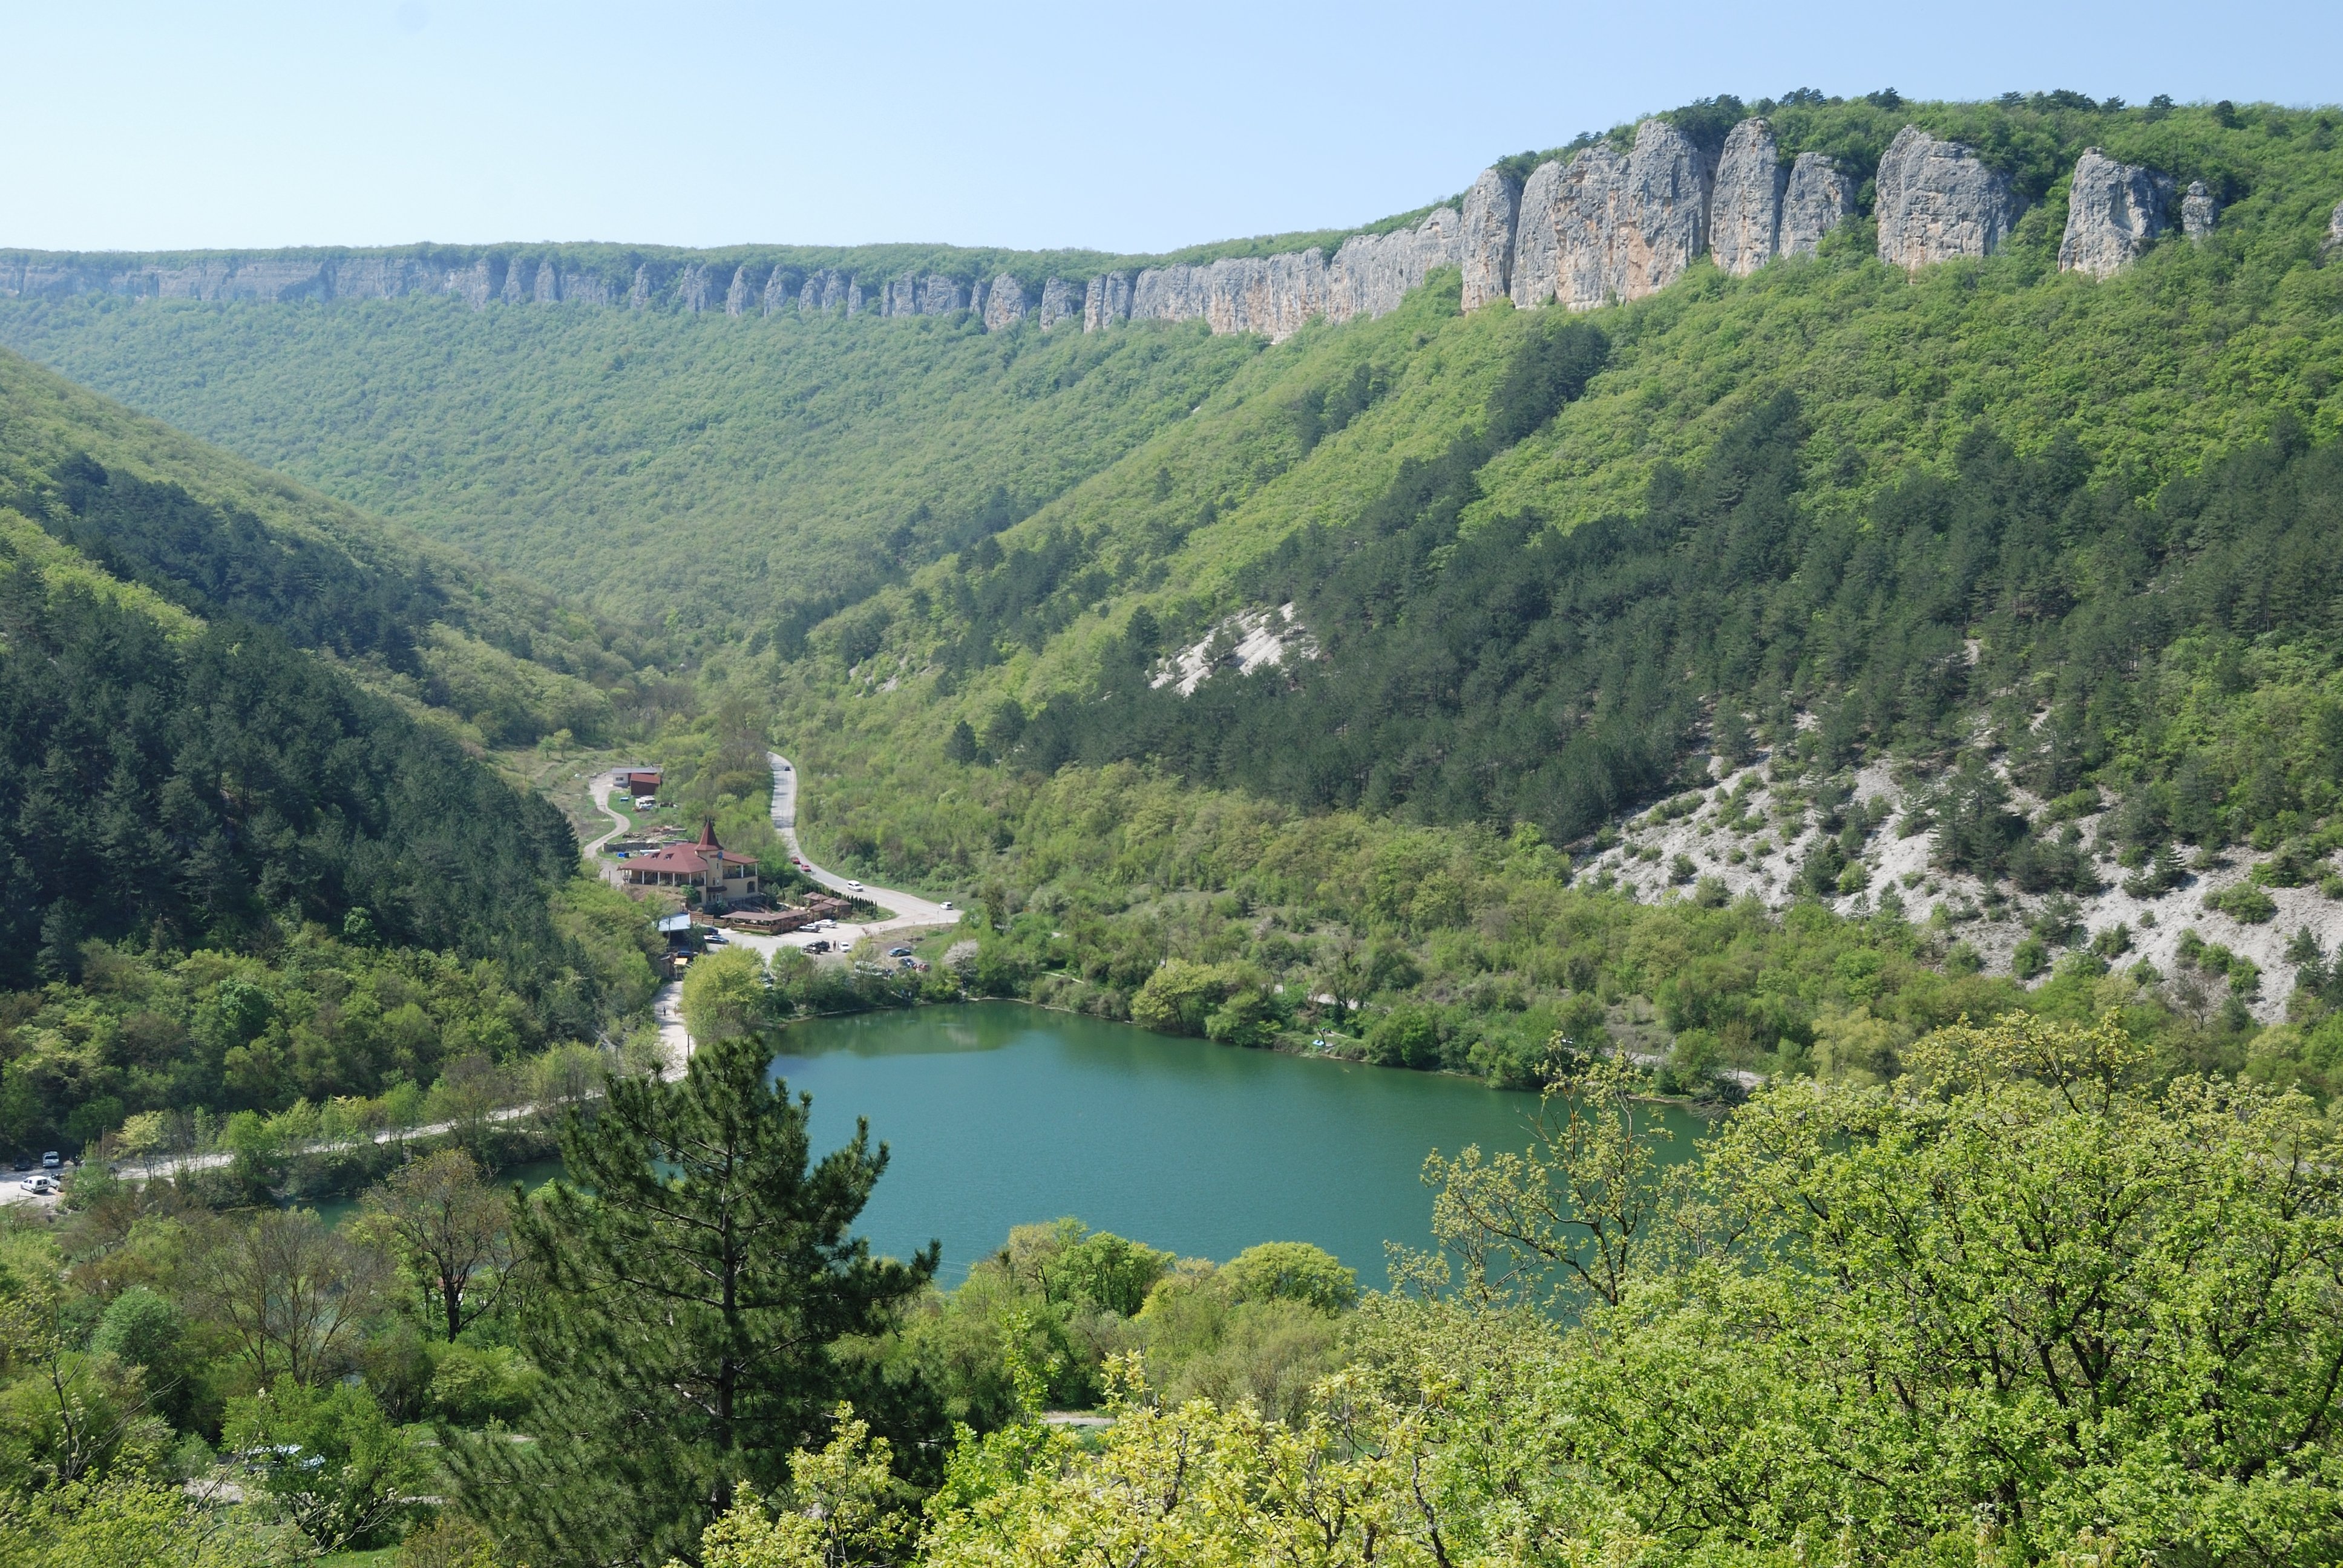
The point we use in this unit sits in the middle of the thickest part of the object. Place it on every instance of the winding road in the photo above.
(910, 910)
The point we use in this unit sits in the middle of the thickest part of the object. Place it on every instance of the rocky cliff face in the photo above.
(1819, 198)
(1485, 250)
(1371, 274)
(2199, 213)
(1106, 300)
(1602, 224)
(1937, 201)
(1745, 218)
(1004, 304)
(1608, 226)
(2114, 213)
(1537, 258)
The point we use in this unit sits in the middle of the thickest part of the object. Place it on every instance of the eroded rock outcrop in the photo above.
(1938, 201)
(1004, 304)
(378, 277)
(1372, 273)
(2199, 213)
(1744, 214)
(2334, 240)
(1819, 196)
(1106, 299)
(1618, 221)
(2114, 213)
(1168, 294)
(1485, 247)
(1613, 225)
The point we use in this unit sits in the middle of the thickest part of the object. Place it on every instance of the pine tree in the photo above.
(699, 1274)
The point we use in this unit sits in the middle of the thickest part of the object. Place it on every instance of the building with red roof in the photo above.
(721, 875)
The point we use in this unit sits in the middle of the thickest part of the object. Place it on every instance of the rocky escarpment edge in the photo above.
(1607, 223)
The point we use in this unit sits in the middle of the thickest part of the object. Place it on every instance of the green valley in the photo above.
(1817, 611)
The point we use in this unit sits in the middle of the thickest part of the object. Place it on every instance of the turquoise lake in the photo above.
(998, 1114)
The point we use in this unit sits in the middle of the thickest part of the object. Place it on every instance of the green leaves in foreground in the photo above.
(2015, 1299)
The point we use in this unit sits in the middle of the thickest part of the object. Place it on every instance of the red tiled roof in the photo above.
(686, 858)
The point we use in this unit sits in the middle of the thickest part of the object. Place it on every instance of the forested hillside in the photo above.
(218, 536)
(2017, 567)
(249, 864)
(1900, 712)
(735, 478)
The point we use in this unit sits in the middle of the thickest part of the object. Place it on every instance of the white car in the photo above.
(39, 1186)
(855, 885)
(945, 905)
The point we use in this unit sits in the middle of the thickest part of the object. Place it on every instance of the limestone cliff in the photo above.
(1004, 304)
(1819, 198)
(2114, 213)
(1744, 214)
(1612, 226)
(472, 283)
(1372, 273)
(1106, 299)
(2199, 213)
(1618, 220)
(1938, 201)
(1487, 246)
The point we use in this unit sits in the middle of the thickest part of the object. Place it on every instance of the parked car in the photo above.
(50, 1162)
(715, 938)
(946, 904)
(41, 1186)
(817, 947)
(899, 952)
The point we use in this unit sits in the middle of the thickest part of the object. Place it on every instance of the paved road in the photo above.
(675, 1039)
(601, 786)
(911, 912)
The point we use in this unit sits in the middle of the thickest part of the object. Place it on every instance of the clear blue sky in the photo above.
(1126, 126)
